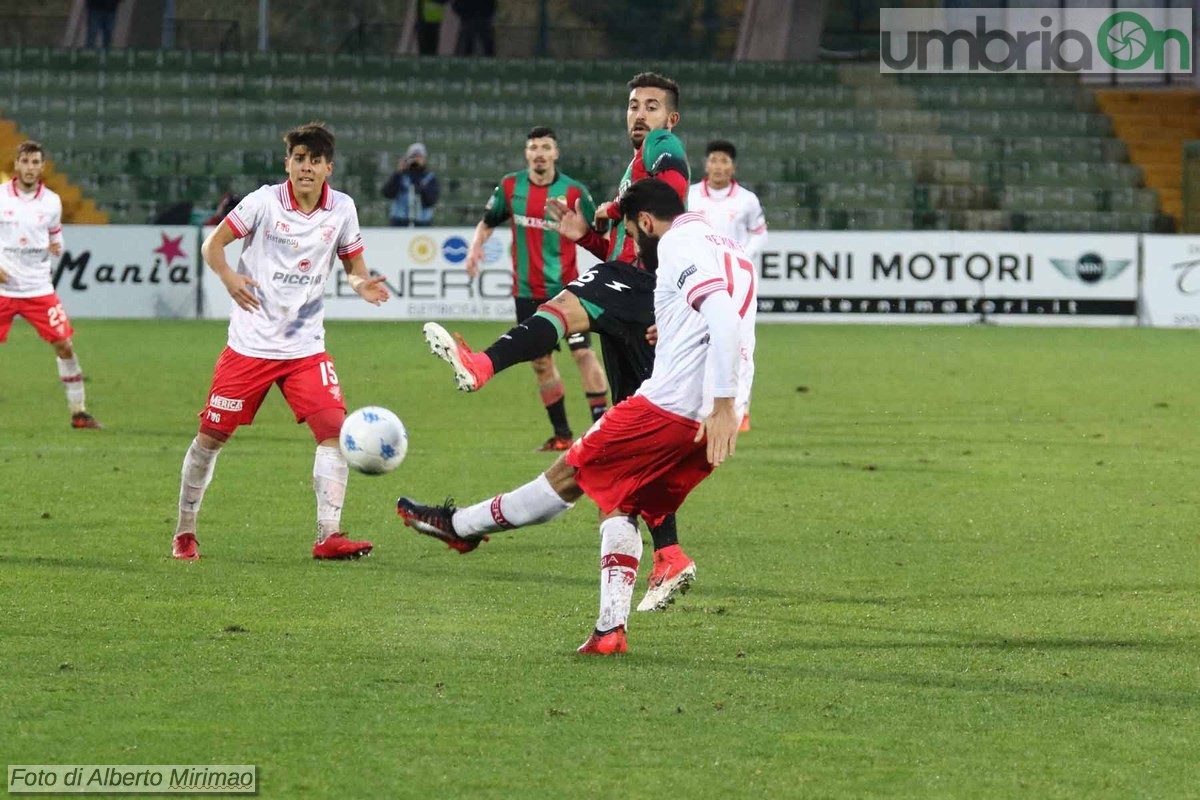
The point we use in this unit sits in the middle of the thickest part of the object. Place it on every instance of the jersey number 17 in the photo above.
(732, 263)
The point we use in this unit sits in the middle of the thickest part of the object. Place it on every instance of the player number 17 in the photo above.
(749, 268)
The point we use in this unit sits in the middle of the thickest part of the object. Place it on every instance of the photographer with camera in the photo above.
(413, 190)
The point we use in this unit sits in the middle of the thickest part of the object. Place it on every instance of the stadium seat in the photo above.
(826, 145)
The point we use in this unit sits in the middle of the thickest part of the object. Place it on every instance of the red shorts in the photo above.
(44, 312)
(640, 459)
(240, 383)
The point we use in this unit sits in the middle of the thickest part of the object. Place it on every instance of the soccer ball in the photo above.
(373, 440)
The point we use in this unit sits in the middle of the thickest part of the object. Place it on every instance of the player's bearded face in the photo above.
(647, 244)
(648, 110)
(29, 169)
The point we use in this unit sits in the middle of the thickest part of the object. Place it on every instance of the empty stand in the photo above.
(826, 146)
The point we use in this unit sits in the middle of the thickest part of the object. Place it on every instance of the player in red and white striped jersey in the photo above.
(30, 234)
(293, 234)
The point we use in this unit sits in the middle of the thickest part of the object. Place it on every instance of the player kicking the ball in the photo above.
(648, 452)
(293, 232)
(615, 299)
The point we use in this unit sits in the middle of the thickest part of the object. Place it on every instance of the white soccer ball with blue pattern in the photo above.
(373, 440)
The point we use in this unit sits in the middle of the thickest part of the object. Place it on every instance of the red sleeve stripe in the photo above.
(236, 225)
(703, 289)
(55, 230)
(356, 246)
(759, 229)
(698, 299)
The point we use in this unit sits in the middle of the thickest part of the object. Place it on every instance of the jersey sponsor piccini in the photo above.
(290, 255)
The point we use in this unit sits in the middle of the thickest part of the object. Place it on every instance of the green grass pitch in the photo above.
(947, 562)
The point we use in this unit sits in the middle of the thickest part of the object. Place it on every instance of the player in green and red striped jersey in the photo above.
(543, 263)
(650, 117)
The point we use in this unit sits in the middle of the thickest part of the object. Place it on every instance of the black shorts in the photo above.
(528, 306)
(619, 301)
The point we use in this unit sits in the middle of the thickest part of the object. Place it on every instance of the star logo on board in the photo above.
(171, 248)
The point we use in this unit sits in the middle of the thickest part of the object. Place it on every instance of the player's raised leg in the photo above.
(471, 370)
(438, 522)
(463, 529)
(531, 338)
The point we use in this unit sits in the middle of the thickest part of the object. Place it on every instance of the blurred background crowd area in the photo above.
(155, 110)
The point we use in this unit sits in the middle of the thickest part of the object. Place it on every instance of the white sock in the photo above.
(330, 473)
(197, 473)
(72, 381)
(532, 504)
(620, 551)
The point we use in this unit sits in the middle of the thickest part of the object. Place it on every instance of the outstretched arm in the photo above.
(368, 287)
(483, 232)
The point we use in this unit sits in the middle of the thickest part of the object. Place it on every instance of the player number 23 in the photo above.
(56, 315)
